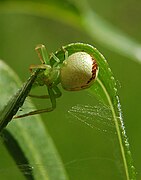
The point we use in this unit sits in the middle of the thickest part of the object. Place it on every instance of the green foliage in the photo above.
(88, 132)
(31, 135)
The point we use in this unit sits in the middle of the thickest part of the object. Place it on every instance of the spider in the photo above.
(78, 71)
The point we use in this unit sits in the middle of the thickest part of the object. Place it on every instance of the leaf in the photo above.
(31, 134)
(107, 35)
(16, 101)
(105, 88)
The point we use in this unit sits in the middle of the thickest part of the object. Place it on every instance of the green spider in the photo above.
(77, 71)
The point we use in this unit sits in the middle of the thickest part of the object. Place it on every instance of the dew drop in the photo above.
(112, 77)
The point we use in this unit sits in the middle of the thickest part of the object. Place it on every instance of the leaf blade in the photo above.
(106, 85)
(31, 134)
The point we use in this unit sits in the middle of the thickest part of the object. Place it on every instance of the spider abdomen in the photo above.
(78, 71)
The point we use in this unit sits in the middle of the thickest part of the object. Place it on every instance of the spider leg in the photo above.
(42, 54)
(57, 91)
(57, 94)
(52, 97)
(66, 53)
(56, 59)
(39, 66)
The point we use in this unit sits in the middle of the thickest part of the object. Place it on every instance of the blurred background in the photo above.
(113, 27)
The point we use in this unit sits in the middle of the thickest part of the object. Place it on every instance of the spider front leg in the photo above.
(56, 59)
(39, 66)
(42, 54)
(66, 53)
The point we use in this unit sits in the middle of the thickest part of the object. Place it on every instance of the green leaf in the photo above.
(105, 88)
(107, 35)
(30, 133)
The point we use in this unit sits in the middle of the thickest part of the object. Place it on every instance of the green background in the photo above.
(78, 144)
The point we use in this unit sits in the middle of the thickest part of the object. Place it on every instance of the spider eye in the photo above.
(78, 71)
